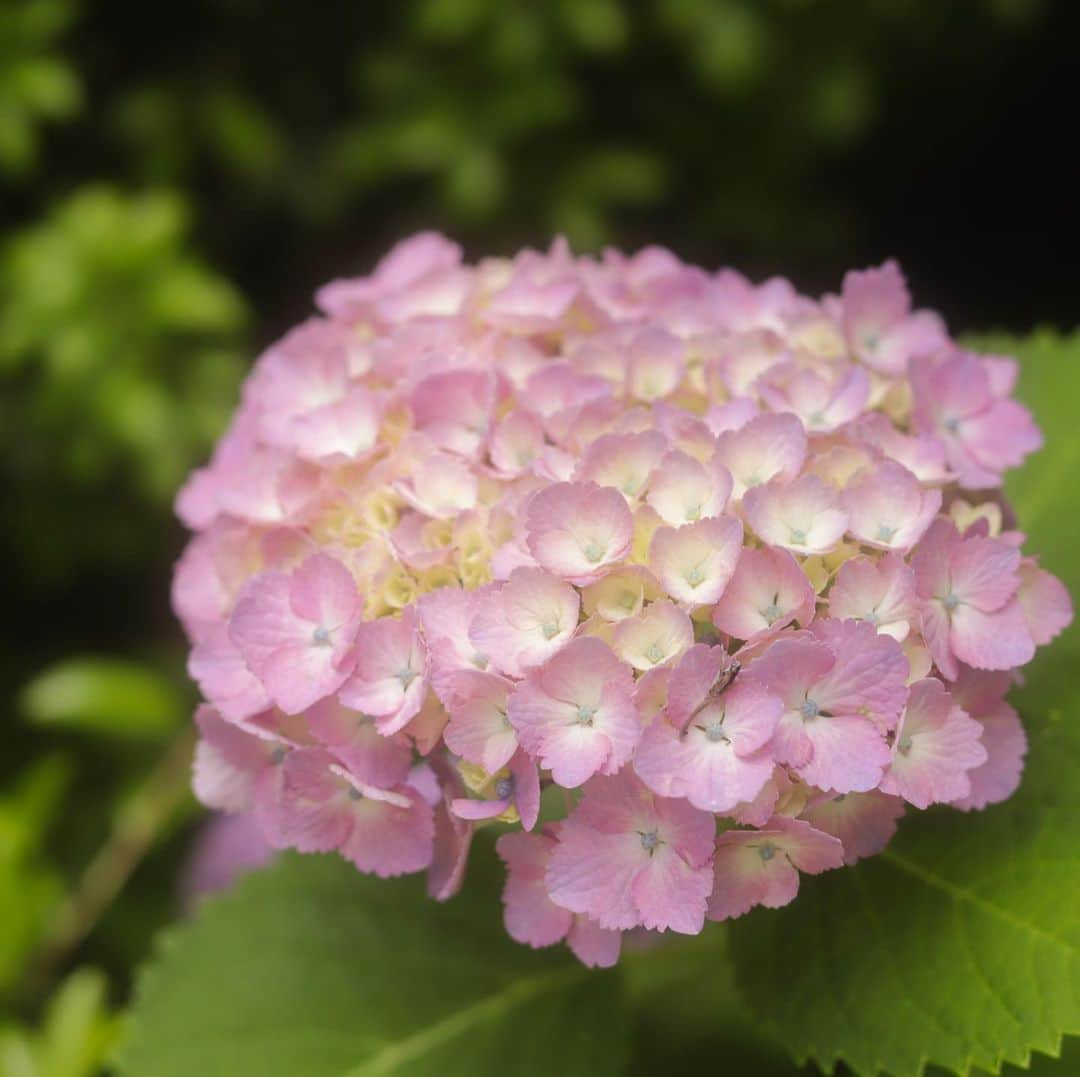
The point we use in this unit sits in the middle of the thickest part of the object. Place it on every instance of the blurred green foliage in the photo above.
(29, 885)
(117, 361)
(35, 83)
(76, 1033)
(175, 179)
(111, 697)
(698, 120)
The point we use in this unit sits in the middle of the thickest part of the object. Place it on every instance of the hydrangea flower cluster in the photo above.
(719, 573)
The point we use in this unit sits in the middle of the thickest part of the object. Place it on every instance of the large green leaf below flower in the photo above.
(311, 968)
(958, 945)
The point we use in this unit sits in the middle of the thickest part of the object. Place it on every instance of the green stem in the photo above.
(136, 829)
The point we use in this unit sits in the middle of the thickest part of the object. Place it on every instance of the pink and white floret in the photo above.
(685, 585)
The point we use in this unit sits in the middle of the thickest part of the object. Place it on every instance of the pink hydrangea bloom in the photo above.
(864, 822)
(768, 591)
(417, 277)
(936, 745)
(453, 408)
(843, 686)
(539, 294)
(684, 489)
(887, 508)
(297, 377)
(967, 589)
(984, 432)
(823, 399)
(440, 486)
(447, 617)
(352, 738)
(389, 676)
(720, 758)
(516, 443)
(982, 696)
(516, 786)
(761, 867)
(325, 808)
(296, 632)
(713, 550)
(576, 530)
(533, 918)
(344, 430)
(453, 839)
(701, 674)
(521, 625)
(922, 454)
(660, 633)
(620, 594)
(695, 562)
(576, 713)
(804, 516)
(1044, 602)
(623, 461)
(218, 667)
(656, 366)
(767, 447)
(880, 592)
(626, 857)
(479, 729)
(235, 769)
(227, 848)
(879, 324)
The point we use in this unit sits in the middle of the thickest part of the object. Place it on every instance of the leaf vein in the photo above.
(963, 894)
(399, 1053)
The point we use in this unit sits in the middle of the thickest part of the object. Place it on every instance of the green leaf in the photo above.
(688, 1011)
(104, 695)
(75, 1036)
(30, 889)
(311, 968)
(78, 1029)
(957, 945)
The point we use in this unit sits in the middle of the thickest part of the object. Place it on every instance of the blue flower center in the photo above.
(593, 552)
(714, 731)
(586, 714)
